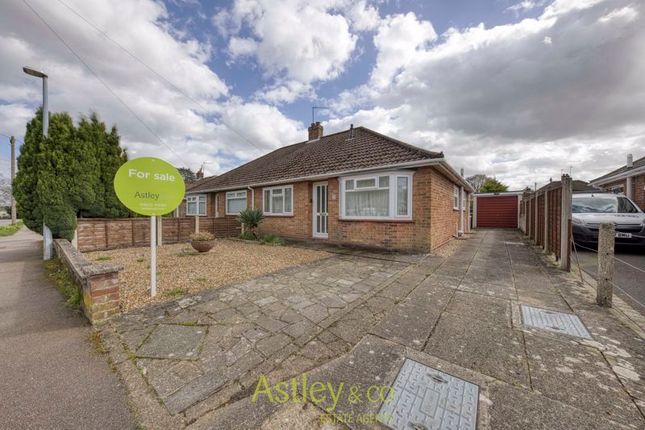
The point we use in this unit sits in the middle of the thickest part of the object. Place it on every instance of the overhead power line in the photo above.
(151, 69)
(89, 68)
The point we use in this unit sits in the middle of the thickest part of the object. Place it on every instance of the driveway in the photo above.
(355, 319)
(629, 273)
(50, 374)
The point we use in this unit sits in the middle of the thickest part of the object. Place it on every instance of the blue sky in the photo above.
(517, 89)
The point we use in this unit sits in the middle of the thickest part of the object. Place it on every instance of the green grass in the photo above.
(175, 292)
(64, 283)
(272, 239)
(103, 258)
(140, 260)
(8, 230)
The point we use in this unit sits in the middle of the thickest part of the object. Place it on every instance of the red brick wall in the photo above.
(445, 220)
(638, 189)
(434, 221)
(296, 226)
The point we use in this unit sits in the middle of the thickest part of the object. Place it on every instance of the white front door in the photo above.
(321, 214)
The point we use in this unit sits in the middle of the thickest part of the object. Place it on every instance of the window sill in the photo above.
(270, 215)
(390, 220)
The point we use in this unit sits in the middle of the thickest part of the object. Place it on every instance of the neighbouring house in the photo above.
(355, 187)
(628, 179)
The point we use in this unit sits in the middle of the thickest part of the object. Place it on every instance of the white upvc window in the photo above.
(381, 196)
(278, 200)
(455, 197)
(235, 202)
(196, 205)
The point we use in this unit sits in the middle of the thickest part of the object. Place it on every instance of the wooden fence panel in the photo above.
(94, 234)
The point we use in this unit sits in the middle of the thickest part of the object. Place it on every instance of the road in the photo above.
(630, 279)
(50, 374)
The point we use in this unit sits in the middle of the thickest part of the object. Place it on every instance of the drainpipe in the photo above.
(628, 181)
(252, 197)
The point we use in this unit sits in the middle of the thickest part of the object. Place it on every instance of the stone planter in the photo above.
(202, 245)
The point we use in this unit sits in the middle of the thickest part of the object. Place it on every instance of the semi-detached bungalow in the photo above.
(355, 187)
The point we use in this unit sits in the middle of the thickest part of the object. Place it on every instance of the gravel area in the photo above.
(182, 270)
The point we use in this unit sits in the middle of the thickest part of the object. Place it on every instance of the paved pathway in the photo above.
(355, 318)
(50, 375)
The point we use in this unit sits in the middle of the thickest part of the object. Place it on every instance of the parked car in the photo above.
(589, 210)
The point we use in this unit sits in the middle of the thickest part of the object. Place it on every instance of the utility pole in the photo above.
(12, 141)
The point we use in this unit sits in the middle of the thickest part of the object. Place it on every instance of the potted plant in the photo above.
(250, 220)
(202, 242)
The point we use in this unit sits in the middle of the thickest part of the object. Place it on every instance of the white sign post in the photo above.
(150, 186)
(153, 256)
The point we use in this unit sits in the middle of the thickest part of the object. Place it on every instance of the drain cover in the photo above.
(424, 398)
(558, 322)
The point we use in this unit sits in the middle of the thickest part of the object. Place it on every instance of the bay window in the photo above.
(378, 196)
(235, 202)
(196, 205)
(278, 200)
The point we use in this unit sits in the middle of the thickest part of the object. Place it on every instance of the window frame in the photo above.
(234, 197)
(392, 197)
(196, 198)
(283, 188)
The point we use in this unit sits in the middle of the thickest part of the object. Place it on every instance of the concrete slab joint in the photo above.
(99, 283)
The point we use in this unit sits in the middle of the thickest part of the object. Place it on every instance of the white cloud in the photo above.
(241, 47)
(191, 129)
(398, 40)
(504, 101)
(303, 41)
(363, 16)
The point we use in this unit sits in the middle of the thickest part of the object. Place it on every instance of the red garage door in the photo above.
(497, 211)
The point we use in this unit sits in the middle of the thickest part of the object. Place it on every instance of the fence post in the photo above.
(604, 290)
(565, 222)
(546, 221)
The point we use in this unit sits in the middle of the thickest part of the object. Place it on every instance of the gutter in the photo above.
(624, 175)
(421, 163)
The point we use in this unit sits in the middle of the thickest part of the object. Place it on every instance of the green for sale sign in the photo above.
(149, 186)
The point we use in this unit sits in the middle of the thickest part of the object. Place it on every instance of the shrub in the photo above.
(247, 235)
(8, 230)
(272, 239)
(251, 219)
(202, 236)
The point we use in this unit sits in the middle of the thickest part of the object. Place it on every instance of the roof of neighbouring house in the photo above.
(330, 154)
(623, 169)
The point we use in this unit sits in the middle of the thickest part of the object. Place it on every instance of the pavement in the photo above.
(50, 373)
(629, 273)
(364, 320)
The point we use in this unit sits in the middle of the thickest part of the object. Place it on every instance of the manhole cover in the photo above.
(424, 398)
(558, 322)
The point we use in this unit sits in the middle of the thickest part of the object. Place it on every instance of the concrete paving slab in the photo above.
(486, 348)
(176, 342)
(579, 376)
(487, 309)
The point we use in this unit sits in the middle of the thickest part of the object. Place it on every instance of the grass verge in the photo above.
(64, 283)
(8, 230)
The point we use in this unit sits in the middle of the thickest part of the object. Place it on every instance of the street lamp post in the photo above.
(48, 241)
(39, 74)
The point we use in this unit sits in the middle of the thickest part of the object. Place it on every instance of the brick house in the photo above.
(355, 187)
(628, 179)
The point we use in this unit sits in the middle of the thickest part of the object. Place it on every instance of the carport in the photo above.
(500, 210)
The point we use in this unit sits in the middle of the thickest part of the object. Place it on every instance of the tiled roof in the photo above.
(333, 153)
(637, 163)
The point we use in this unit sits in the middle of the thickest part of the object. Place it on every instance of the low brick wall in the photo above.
(95, 234)
(99, 283)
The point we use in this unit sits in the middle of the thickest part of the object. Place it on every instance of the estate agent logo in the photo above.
(149, 186)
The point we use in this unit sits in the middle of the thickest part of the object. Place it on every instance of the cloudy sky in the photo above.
(521, 90)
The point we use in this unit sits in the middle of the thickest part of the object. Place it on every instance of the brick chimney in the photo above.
(630, 159)
(315, 131)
